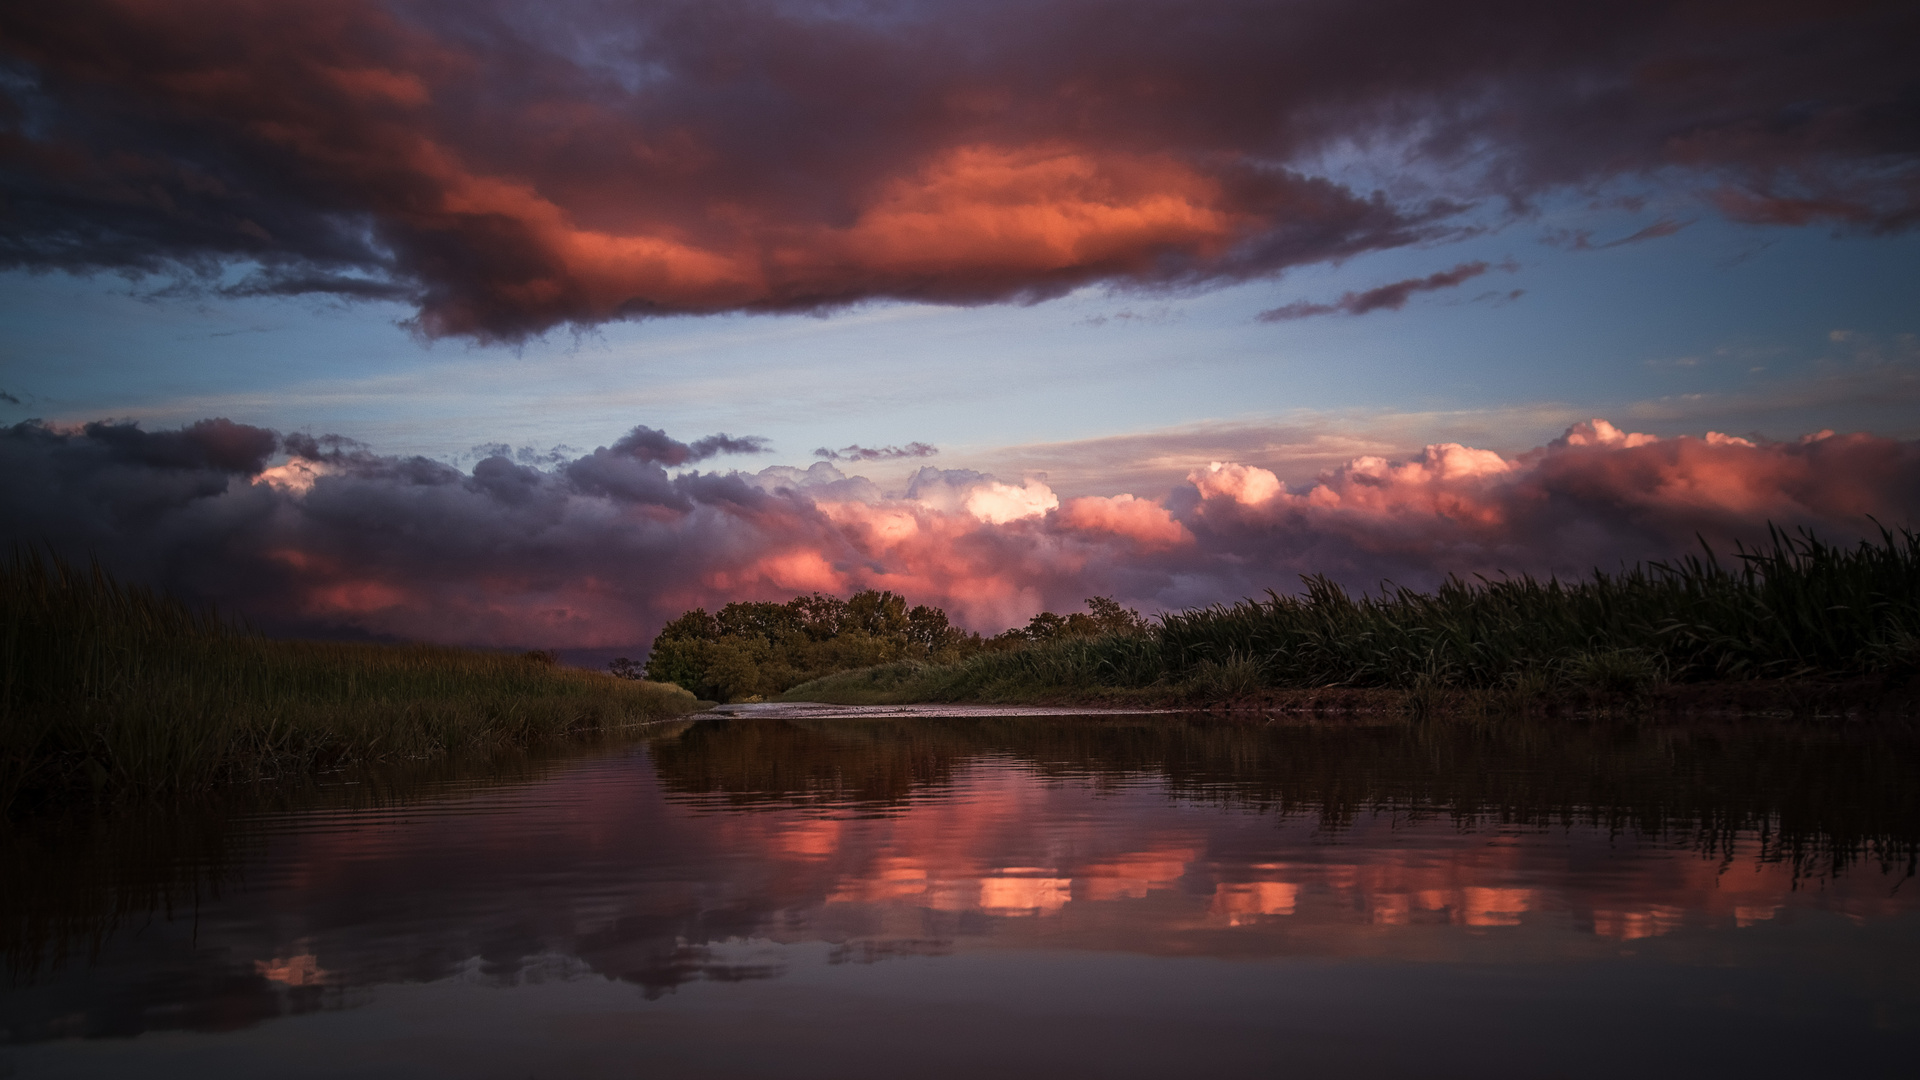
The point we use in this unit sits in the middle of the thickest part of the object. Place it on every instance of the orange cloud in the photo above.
(786, 571)
(1146, 523)
(474, 162)
(1037, 210)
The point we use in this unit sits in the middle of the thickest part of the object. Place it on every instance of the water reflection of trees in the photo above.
(1820, 796)
(745, 762)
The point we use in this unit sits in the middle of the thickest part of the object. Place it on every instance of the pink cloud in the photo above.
(1143, 521)
(1246, 484)
(599, 551)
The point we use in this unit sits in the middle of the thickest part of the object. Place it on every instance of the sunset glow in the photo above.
(1172, 303)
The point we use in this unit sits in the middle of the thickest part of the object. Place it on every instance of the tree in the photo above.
(1105, 615)
(881, 614)
(759, 647)
(1110, 618)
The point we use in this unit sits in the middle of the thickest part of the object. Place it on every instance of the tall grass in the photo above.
(1794, 608)
(106, 687)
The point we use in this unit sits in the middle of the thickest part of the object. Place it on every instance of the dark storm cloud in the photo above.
(723, 443)
(645, 444)
(207, 444)
(600, 545)
(283, 282)
(510, 167)
(1389, 297)
(856, 452)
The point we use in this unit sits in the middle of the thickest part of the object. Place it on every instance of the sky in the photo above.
(532, 325)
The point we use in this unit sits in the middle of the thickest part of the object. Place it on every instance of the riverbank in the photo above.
(1726, 699)
(108, 690)
(1798, 620)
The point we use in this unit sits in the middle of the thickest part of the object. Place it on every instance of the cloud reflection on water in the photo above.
(734, 851)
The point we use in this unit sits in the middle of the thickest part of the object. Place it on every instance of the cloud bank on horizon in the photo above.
(324, 536)
(508, 168)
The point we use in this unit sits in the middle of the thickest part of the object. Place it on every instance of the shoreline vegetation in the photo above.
(109, 689)
(1796, 625)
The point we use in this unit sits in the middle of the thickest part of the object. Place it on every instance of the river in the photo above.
(853, 893)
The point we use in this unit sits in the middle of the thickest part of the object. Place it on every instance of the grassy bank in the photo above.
(1796, 610)
(107, 688)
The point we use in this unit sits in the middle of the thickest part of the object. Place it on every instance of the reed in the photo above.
(1794, 608)
(110, 688)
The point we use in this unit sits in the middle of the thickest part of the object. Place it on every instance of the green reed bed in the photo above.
(1796, 608)
(106, 687)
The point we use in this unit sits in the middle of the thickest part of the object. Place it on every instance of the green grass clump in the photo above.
(109, 688)
(1797, 608)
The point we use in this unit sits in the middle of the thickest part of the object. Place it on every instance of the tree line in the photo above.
(761, 648)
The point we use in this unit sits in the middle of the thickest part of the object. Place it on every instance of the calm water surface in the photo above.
(959, 896)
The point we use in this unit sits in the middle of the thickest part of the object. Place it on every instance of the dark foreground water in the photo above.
(967, 896)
